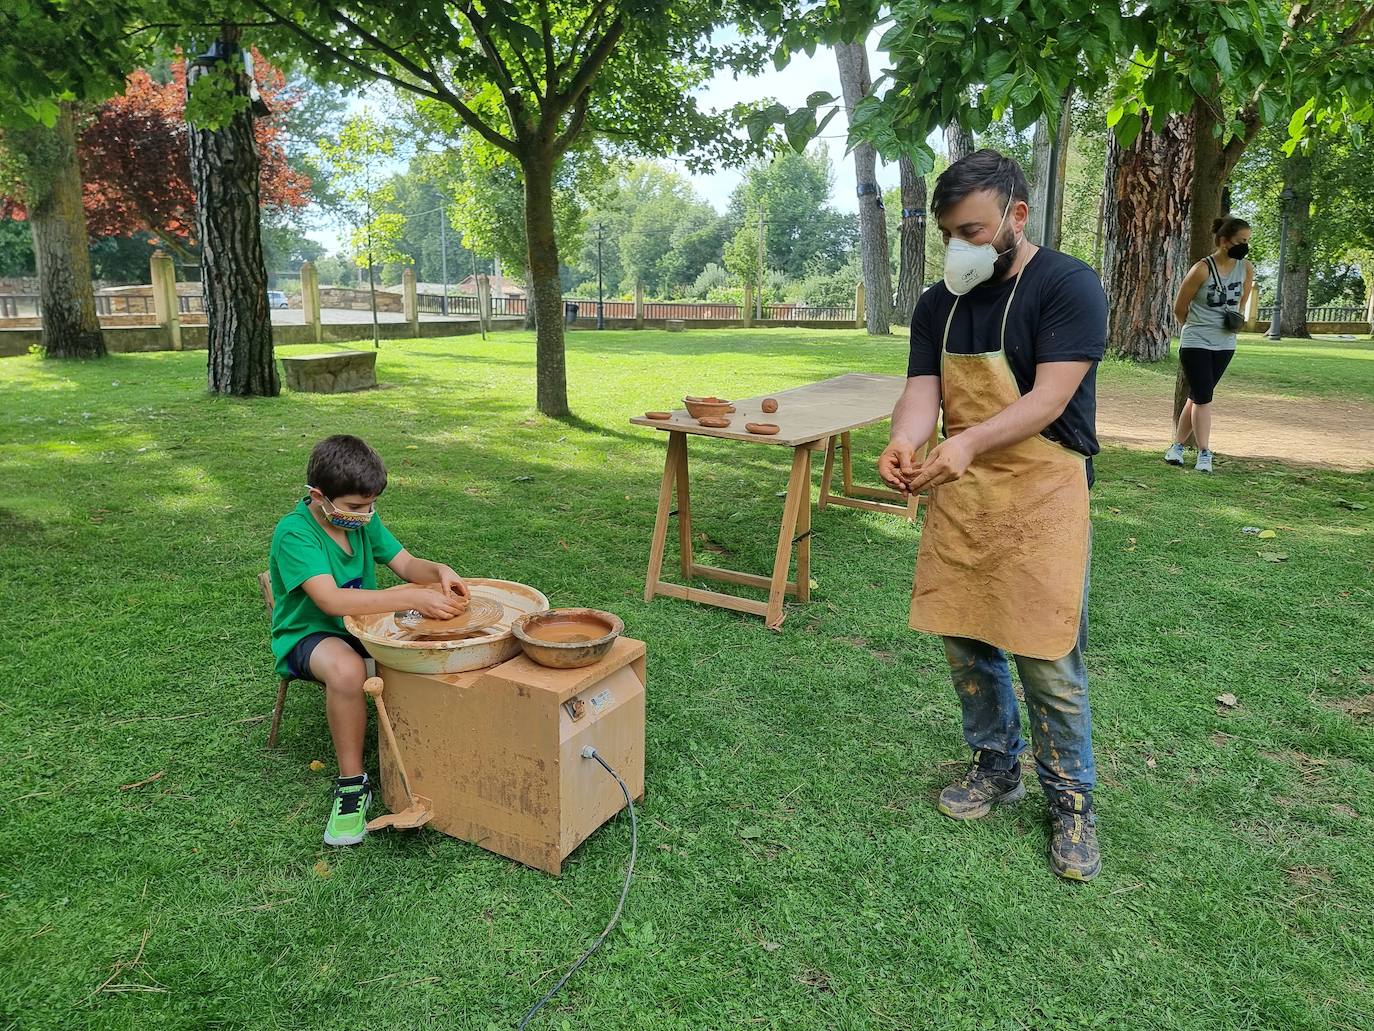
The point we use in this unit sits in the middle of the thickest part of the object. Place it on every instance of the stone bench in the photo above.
(336, 372)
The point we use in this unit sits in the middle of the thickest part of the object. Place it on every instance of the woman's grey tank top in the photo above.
(1205, 326)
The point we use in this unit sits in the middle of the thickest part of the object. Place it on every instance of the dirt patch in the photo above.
(1306, 876)
(1360, 709)
(1328, 432)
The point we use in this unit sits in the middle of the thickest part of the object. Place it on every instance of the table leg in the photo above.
(677, 442)
(801, 471)
(804, 537)
(847, 466)
(826, 473)
(684, 511)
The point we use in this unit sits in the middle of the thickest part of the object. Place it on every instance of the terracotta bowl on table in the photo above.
(567, 638)
(698, 409)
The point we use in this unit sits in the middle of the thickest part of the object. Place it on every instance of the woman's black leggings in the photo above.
(1204, 369)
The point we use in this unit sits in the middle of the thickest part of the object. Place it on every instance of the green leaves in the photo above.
(1221, 53)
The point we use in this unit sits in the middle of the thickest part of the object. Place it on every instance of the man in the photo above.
(1006, 348)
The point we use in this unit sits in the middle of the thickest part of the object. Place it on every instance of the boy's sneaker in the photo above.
(348, 820)
(1204, 461)
(975, 793)
(1073, 836)
(1174, 456)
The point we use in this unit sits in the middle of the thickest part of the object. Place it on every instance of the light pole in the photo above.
(1285, 198)
(600, 307)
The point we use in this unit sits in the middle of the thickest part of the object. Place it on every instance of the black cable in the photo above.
(592, 753)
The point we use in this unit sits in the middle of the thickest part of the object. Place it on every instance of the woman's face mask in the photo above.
(1239, 250)
(970, 264)
(342, 518)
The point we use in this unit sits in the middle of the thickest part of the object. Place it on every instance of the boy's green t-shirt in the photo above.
(301, 549)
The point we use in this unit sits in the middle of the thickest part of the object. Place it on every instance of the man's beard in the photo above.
(1007, 250)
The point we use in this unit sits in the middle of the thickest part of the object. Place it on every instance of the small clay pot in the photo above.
(714, 422)
(658, 416)
(762, 429)
(770, 405)
(700, 409)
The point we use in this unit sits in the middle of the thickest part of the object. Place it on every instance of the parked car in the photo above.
(277, 299)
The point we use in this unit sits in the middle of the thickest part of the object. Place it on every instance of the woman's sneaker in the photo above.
(1204, 461)
(348, 819)
(974, 794)
(1174, 456)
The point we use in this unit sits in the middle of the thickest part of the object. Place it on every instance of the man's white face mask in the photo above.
(969, 264)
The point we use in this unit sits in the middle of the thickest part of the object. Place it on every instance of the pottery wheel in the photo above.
(481, 613)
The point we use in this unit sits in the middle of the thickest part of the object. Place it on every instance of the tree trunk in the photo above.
(959, 142)
(224, 172)
(51, 176)
(1297, 176)
(1146, 228)
(1041, 177)
(856, 83)
(911, 272)
(545, 289)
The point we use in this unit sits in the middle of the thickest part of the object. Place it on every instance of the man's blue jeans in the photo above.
(1056, 697)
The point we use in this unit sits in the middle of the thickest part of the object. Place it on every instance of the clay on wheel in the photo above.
(713, 422)
(658, 416)
(763, 429)
(770, 405)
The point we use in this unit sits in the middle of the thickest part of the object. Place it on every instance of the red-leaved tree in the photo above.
(135, 161)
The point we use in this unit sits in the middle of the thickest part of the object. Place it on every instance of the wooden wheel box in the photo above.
(497, 751)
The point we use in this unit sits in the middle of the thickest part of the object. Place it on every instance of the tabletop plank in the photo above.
(805, 414)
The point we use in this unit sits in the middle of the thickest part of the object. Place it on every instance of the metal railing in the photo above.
(809, 313)
(1324, 313)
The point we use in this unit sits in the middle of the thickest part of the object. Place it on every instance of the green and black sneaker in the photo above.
(974, 794)
(1074, 855)
(348, 820)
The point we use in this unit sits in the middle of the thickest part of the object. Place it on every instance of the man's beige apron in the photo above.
(1005, 547)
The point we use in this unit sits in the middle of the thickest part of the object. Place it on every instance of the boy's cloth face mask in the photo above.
(345, 520)
(970, 264)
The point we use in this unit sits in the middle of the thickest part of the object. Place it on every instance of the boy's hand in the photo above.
(433, 604)
(451, 582)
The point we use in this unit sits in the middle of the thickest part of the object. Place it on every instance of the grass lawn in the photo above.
(793, 871)
(1292, 368)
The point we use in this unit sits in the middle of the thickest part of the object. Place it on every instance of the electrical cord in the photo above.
(591, 753)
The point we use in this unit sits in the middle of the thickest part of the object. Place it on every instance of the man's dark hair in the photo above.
(342, 464)
(984, 169)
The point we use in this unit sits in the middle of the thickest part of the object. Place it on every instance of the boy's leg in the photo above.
(992, 728)
(340, 669)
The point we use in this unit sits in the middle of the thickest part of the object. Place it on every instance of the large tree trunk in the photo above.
(545, 289)
(1297, 269)
(959, 142)
(1042, 178)
(224, 172)
(51, 177)
(1146, 227)
(856, 83)
(911, 272)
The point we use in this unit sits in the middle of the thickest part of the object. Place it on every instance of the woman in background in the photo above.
(1209, 304)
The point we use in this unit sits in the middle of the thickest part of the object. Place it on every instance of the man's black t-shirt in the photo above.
(1059, 314)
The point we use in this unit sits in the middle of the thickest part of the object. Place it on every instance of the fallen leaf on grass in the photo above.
(770, 946)
(750, 833)
(1266, 535)
(1354, 506)
(521, 479)
(1273, 556)
(322, 868)
(1150, 762)
(316, 765)
(1228, 700)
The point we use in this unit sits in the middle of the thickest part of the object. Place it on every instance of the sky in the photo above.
(802, 76)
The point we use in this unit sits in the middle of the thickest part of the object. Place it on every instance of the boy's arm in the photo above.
(333, 600)
(422, 571)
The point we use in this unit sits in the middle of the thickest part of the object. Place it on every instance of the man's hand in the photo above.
(897, 465)
(948, 461)
(451, 582)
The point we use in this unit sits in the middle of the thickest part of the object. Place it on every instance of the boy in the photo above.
(323, 568)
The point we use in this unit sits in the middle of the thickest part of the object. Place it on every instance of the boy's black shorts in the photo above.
(298, 658)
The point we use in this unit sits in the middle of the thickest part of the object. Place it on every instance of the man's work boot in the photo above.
(1073, 836)
(975, 793)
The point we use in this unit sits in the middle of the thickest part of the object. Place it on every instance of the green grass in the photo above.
(1290, 368)
(1238, 885)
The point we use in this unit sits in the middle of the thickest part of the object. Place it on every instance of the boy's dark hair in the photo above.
(984, 169)
(1227, 227)
(342, 464)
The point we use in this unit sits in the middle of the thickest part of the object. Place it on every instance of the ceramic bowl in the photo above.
(707, 409)
(567, 638)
